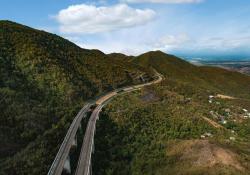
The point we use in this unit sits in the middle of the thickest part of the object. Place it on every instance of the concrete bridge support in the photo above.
(75, 141)
(66, 167)
(90, 169)
(93, 147)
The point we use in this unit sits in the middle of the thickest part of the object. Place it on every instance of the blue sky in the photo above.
(192, 28)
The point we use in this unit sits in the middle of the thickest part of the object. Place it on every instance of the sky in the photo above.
(188, 28)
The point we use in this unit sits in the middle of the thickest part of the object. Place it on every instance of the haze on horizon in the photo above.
(191, 28)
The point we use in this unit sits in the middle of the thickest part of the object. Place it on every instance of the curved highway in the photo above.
(61, 157)
(84, 163)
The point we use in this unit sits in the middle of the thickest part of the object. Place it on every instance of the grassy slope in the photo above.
(44, 81)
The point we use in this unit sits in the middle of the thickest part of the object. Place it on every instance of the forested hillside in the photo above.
(210, 78)
(44, 81)
(179, 126)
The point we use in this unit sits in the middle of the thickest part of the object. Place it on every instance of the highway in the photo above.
(61, 157)
(84, 162)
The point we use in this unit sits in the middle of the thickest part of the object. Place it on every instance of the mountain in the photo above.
(210, 78)
(180, 126)
(46, 79)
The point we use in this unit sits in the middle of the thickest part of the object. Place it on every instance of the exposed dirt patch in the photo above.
(226, 157)
(213, 123)
(224, 97)
(202, 153)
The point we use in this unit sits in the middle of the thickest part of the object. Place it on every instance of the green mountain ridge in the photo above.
(175, 127)
(46, 79)
(216, 79)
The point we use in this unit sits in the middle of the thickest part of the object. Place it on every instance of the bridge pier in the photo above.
(93, 147)
(80, 126)
(75, 141)
(90, 169)
(66, 167)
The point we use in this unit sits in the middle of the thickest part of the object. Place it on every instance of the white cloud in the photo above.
(113, 44)
(128, 49)
(169, 42)
(82, 19)
(222, 43)
(163, 1)
(128, 42)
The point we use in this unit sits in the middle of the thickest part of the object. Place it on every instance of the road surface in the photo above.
(61, 157)
(84, 163)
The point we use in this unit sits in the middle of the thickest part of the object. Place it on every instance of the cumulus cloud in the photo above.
(163, 1)
(85, 19)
